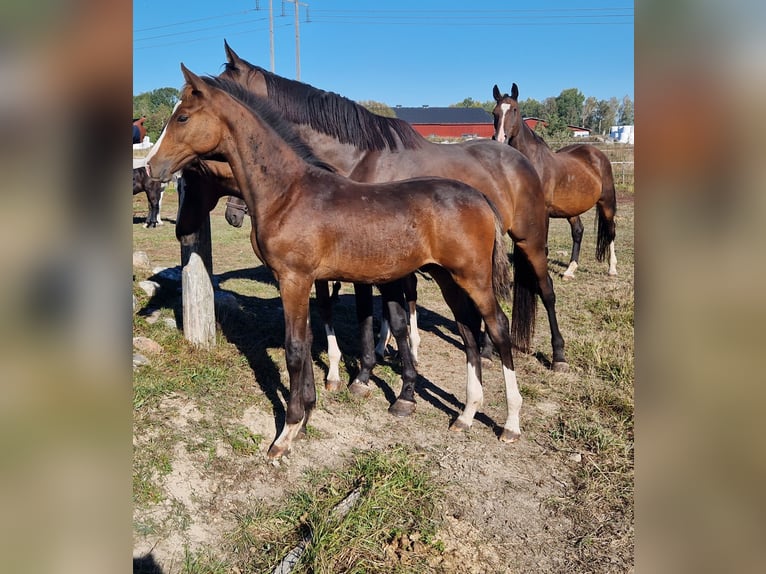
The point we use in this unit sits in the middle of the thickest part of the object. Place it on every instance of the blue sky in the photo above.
(399, 52)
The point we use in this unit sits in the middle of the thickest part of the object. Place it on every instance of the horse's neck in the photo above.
(343, 157)
(534, 149)
(253, 147)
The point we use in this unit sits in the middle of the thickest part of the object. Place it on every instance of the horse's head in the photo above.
(507, 118)
(193, 130)
(236, 209)
(243, 73)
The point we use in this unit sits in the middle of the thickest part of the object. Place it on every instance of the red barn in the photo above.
(448, 122)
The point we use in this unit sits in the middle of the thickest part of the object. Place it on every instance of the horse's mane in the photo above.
(264, 110)
(538, 138)
(335, 115)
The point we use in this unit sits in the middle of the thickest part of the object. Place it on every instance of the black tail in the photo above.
(606, 208)
(524, 302)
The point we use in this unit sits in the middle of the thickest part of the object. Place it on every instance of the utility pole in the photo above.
(271, 33)
(271, 29)
(297, 35)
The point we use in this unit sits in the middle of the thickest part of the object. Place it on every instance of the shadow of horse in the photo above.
(259, 328)
(146, 565)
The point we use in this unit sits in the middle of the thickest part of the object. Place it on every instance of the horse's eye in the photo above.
(182, 119)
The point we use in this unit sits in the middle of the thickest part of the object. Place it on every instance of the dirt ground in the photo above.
(496, 515)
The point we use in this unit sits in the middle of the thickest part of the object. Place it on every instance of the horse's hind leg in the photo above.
(577, 230)
(409, 286)
(360, 385)
(497, 327)
(468, 323)
(324, 304)
(531, 276)
(393, 300)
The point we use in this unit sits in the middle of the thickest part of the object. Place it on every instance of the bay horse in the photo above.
(366, 147)
(574, 178)
(217, 180)
(153, 189)
(235, 213)
(300, 213)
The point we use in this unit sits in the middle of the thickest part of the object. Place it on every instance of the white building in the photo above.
(622, 134)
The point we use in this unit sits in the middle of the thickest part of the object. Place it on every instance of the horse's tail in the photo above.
(524, 310)
(501, 274)
(606, 209)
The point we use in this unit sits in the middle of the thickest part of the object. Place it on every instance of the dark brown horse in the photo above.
(153, 190)
(235, 213)
(300, 214)
(217, 180)
(574, 178)
(370, 148)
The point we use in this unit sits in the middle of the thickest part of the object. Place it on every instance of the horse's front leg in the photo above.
(295, 291)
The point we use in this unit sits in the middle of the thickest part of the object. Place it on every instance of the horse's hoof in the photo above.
(402, 408)
(560, 367)
(277, 452)
(566, 277)
(332, 386)
(360, 389)
(459, 426)
(613, 274)
(509, 436)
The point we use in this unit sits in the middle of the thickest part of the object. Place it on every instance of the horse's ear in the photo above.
(496, 94)
(196, 83)
(515, 91)
(231, 55)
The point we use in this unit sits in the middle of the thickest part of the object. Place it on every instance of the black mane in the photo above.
(335, 115)
(264, 110)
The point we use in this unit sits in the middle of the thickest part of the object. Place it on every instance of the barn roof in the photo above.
(444, 115)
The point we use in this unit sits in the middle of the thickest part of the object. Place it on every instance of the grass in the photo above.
(393, 521)
(395, 526)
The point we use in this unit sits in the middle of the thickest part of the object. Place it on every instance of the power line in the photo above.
(195, 20)
(200, 29)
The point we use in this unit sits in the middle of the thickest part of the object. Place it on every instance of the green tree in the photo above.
(471, 103)
(569, 104)
(588, 116)
(378, 108)
(157, 106)
(530, 108)
(626, 115)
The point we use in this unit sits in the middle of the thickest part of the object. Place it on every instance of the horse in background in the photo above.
(139, 131)
(153, 189)
(574, 178)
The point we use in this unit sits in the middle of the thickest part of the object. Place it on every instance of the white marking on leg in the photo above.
(570, 272)
(612, 260)
(474, 395)
(513, 400)
(287, 435)
(383, 338)
(333, 354)
(159, 207)
(414, 336)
